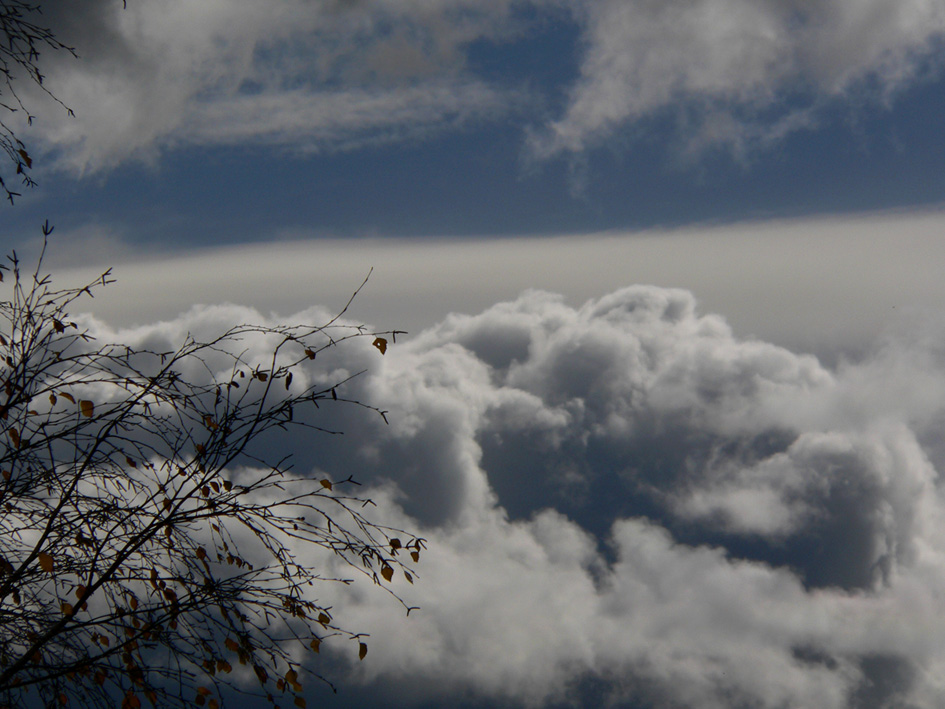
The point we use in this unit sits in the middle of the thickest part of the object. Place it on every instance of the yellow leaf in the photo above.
(45, 561)
(87, 408)
(381, 344)
(362, 651)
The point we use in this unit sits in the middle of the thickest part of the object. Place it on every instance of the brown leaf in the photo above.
(362, 651)
(26, 157)
(66, 395)
(300, 702)
(387, 572)
(67, 608)
(326, 483)
(87, 408)
(15, 437)
(315, 644)
(45, 561)
(310, 354)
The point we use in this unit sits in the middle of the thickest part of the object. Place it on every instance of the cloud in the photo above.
(733, 72)
(625, 501)
(331, 76)
(308, 75)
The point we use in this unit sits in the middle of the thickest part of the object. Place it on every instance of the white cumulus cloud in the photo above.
(625, 501)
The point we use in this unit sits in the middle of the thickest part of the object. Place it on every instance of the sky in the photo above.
(669, 413)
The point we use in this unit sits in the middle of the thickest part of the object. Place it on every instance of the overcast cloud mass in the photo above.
(629, 500)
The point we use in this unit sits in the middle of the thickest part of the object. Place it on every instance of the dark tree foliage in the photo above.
(23, 38)
(152, 547)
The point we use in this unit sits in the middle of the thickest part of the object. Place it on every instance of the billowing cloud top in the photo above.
(308, 76)
(624, 502)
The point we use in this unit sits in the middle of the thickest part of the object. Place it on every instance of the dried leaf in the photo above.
(326, 483)
(381, 344)
(362, 651)
(15, 437)
(67, 396)
(310, 354)
(323, 619)
(300, 702)
(87, 408)
(315, 644)
(45, 561)
(387, 572)
(26, 157)
(67, 608)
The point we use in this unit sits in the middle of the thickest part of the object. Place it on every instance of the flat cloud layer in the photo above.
(334, 75)
(626, 503)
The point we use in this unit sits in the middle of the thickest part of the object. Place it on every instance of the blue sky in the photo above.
(670, 408)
